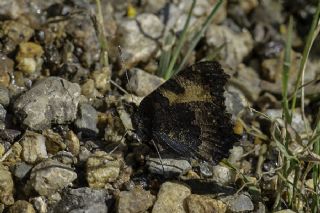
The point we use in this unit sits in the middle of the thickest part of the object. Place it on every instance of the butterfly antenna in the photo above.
(155, 146)
(119, 142)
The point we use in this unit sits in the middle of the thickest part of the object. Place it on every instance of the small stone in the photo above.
(87, 120)
(3, 113)
(168, 167)
(72, 143)
(54, 141)
(6, 186)
(2, 150)
(21, 206)
(65, 157)
(51, 101)
(142, 83)
(248, 82)
(82, 200)
(16, 32)
(236, 45)
(39, 204)
(21, 170)
(4, 95)
(102, 169)
(139, 40)
(50, 176)
(6, 68)
(204, 204)
(236, 101)
(236, 154)
(171, 198)
(239, 203)
(223, 175)
(33, 147)
(285, 211)
(205, 169)
(134, 201)
(102, 79)
(29, 57)
(14, 156)
(248, 5)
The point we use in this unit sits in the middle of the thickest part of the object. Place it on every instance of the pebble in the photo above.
(142, 83)
(15, 154)
(236, 45)
(51, 101)
(40, 204)
(82, 200)
(134, 201)
(239, 203)
(4, 96)
(21, 170)
(21, 206)
(29, 57)
(203, 204)
(168, 167)
(6, 68)
(171, 198)
(6, 186)
(72, 143)
(54, 142)
(87, 120)
(102, 169)
(138, 40)
(33, 147)
(15, 33)
(223, 175)
(50, 176)
(3, 113)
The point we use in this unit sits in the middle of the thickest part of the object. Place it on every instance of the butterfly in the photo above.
(187, 114)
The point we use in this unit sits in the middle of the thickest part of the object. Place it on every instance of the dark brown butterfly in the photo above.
(188, 114)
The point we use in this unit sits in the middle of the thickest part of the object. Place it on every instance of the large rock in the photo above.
(21, 206)
(51, 101)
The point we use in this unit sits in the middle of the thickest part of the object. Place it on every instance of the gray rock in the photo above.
(142, 83)
(33, 147)
(235, 102)
(239, 203)
(51, 101)
(39, 204)
(21, 170)
(138, 37)
(87, 120)
(168, 167)
(3, 113)
(4, 96)
(134, 201)
(171, 198)
(236, 45)
(206, 169)
(82, 200)
(50, 176)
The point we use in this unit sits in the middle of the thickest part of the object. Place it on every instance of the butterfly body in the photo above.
(187, 114)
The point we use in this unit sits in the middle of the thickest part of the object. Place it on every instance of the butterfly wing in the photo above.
(187, 113)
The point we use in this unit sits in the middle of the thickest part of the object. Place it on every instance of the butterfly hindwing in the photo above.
(187, 114)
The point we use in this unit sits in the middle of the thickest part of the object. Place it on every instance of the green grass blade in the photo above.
(310, 40)
(285, 72)
(198, 35)
(180, 44)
